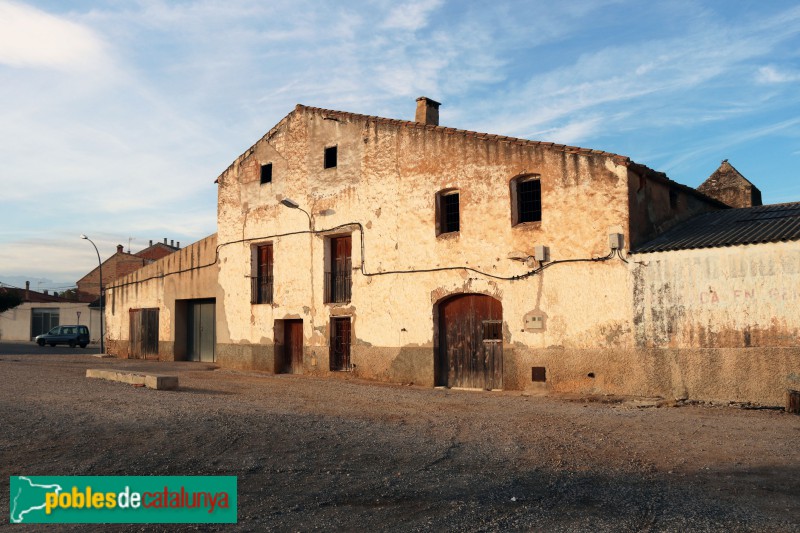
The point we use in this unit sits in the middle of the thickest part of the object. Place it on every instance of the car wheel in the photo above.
(52, 344)
(40, 342)
(83, 345)
(71, 344)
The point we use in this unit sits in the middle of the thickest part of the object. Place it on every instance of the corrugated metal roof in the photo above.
(730, 227)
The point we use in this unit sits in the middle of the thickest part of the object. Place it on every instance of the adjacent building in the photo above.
(119, 265)
(41, 311)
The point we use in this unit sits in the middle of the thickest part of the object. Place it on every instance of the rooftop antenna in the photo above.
(129, 243)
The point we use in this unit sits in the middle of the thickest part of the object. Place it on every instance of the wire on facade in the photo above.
(362, 268)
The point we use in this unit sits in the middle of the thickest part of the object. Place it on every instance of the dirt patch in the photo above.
(349, 455)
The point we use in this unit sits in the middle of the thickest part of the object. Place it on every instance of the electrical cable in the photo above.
(362, 268)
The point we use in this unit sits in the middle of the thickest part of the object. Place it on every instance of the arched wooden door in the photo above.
(471, 342)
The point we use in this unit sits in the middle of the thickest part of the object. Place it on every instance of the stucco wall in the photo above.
(190, 273)
(385, 182)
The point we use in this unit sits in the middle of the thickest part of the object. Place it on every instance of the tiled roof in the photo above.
(731, 227)
(331, 114)
(34, 296)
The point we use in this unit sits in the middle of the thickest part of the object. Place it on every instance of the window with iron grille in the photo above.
(266, 173)
(330, 156)
(492, 330)
(448, 216)
(526, 194)
(262, 283)
(338, 274)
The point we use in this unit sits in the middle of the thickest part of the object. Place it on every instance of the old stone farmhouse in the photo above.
(409, 252)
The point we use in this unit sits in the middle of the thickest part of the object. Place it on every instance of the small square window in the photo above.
(538, 374)
(266, 173)
(492, 330)
(330, 157)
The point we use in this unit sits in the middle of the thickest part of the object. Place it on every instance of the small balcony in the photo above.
(337, 287)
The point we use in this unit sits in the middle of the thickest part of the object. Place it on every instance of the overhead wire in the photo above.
(362, 268)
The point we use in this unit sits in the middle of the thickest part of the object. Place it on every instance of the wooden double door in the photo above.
(471, 342)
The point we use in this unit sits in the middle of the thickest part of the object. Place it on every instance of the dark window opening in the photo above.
(266, 173)
(492, 330)
(262, 283)
(529, 201)
(538, 374)
(673, 199)
(340, 344)
(447, 207)
(330, 157)
(338, 275)
(43, 320)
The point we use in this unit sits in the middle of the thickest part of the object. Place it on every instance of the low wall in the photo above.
(758, 375)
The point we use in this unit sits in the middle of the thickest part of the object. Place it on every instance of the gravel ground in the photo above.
(341, 454)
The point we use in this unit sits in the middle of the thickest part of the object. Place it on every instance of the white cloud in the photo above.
(770, 74)
(411, 16)
(33, 38)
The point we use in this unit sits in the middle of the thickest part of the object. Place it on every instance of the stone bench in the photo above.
(151, 381)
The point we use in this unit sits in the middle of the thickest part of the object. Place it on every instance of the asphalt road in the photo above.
(23, 348)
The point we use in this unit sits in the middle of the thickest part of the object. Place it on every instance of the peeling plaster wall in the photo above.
(724, 323)
(190, 273)
(386, 179)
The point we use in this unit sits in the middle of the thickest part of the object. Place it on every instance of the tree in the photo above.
(70, 294)
(9, 300)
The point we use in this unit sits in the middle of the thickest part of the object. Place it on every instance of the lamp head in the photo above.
(288, 202)
(84, 236)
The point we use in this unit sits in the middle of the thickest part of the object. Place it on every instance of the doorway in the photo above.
(291, 356)
(201, 331)
(470, 342)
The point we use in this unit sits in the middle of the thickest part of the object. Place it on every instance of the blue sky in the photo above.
(116, 116)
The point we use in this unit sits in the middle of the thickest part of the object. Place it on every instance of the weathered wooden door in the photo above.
(471, 342)
(292, 346)
(201, 330)
(144, 333)
(340, 343)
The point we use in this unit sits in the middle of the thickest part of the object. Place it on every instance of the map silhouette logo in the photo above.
(28, 497)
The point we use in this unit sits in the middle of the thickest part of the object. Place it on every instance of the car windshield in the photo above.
(54, 331)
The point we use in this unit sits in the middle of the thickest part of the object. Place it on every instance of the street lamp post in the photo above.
(100, 264)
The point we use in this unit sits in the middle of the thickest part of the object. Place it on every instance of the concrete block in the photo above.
(151, 381)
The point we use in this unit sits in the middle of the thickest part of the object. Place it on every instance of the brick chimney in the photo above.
(119, 248)
(427, 111)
